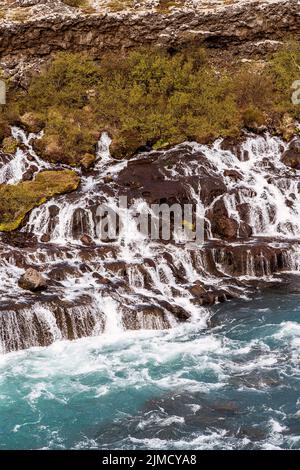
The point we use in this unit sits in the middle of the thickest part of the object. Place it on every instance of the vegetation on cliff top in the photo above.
(19, 199)
(150, 98)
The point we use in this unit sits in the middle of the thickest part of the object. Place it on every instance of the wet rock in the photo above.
(117, 267)
(86, 240)
(198, 290)
(253, 433)
(221, 224)
(245, 230)
(225, 227)
(234, 174)
(53, 210)
(101, 279)
(244, 210)
(19, 239)
(179, 312)
(80, 224)
(148, 317)
(28, 175)
(233, 145)
(32, 280)
(63, 271)
(45, 238)
(291, 156)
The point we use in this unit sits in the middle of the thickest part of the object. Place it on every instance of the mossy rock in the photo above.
(50, 149)
(32, 122)
(87, 161)
(19, 199)
(9, 145)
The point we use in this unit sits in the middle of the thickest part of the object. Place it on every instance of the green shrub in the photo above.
(149, 97)
(285, 68)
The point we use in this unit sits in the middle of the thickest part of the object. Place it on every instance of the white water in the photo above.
(158, 276)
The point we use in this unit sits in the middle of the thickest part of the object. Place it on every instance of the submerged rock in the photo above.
(32, 280)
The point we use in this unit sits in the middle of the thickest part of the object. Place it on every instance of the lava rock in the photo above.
(86, 239)
(234, 174)
(45, 238)
(198, 290)
(291, 157)
(33, 281)
(226, 227)
(28, 175)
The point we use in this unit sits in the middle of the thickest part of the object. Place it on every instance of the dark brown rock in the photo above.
(86, 239)
(234, 174)
(32, 280)
(198, 290)
(45, 238)
(291, 156)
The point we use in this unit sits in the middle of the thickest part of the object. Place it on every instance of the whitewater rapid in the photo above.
(235, 386)
(131, 282)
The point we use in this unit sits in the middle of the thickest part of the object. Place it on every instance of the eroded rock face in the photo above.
(33, 281)
(255, 27)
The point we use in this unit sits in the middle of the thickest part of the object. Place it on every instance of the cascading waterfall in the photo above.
(131, 282)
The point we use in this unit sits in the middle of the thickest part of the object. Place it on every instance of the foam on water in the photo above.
(235, 386)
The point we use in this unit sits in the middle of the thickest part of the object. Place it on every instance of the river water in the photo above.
(233, 385)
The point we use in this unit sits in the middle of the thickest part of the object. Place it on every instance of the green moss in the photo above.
(19, 199)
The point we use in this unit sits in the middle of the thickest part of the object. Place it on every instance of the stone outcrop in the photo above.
(252, 27)
(32, 280)
(291, 156)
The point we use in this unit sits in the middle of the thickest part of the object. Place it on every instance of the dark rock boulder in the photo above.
(86, 239)
(234, 174)
(226, 227)
(245, 230)
(28, 175)
(222, 225)
(198, 290)
(291, 157)
(32, 280)
(45, 238)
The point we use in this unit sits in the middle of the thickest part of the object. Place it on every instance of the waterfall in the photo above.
(132, 282)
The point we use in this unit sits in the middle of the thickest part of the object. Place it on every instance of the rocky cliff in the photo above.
(30, 30)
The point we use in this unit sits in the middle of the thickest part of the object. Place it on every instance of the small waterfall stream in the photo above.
(252, 226)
